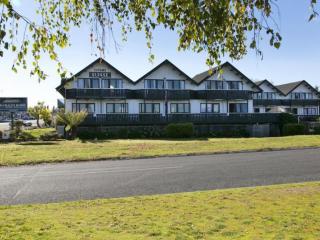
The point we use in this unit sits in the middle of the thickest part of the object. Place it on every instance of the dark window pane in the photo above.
(203, 107)
(95, 83)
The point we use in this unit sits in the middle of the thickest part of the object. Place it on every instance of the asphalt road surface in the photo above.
(104, 179)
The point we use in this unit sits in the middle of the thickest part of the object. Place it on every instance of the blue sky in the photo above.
(297, 59)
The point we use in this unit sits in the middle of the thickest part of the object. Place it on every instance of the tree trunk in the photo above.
(73, 132)
(38, 124)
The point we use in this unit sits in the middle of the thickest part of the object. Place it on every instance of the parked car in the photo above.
(27, 123)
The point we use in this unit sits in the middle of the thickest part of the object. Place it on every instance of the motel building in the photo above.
(167, 94)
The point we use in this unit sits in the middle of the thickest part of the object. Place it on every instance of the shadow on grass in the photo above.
(38, 143)
(143, 139)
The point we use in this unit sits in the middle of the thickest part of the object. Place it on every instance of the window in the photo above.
(257, 96)
(112, 83)
(88, 83)
(294, 110)
(149, 107)
(214, 85)
(209, 107)
(83, 82)
(264, 95)
(175, 84)
(301, 95)
(234, 85)
(238, 108)
(95, 83)
(154, 84)
(268, 110)
(117, 108)
(89, 107)
(256, 110)
(310, 111)
(180, 108)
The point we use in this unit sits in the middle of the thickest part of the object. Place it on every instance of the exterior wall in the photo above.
(114, 74)
(302, 89)
(168, 72)
(266, 88)
(227, 75)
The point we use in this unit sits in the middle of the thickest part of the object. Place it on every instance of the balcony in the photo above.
(178, 94)
(97, 93)
(286, 102)
(150, 94)
(156, 94)
(223, 94)
(157, 119)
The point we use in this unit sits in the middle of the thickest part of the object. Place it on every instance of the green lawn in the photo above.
(272, 212)
(39, 152)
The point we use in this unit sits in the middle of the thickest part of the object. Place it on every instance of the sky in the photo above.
(297, 59)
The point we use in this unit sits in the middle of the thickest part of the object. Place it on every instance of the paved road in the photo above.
(90, 180)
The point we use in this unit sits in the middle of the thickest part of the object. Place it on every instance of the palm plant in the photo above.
(71, 121)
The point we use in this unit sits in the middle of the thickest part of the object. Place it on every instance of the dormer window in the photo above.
(265, 95)
(154, 84)
(88, 83)
(214, 85)
(175, 84)
(112, 83)
(234, 85)
(301, 95)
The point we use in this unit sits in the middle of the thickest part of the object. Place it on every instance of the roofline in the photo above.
(239, 72)
(159, 65)
(266, 80)
(301, 82)
(100, 60)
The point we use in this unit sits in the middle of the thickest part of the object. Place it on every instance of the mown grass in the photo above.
(57, 151)
(289, 211)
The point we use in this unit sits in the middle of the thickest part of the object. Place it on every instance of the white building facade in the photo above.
(166, 91)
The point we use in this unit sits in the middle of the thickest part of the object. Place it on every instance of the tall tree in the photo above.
(39, 111)
(219, 27)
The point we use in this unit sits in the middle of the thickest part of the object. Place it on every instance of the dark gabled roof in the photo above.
(289, 87)
(205, 75)
(98, 60)
(161, 64)
(259, 83)
(199, 78)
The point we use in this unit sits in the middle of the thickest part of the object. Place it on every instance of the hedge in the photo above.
(290, 129)
(179, 130)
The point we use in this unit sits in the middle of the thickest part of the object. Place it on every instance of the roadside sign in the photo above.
(13, 104)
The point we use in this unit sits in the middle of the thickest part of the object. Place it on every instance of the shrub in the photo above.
(122, 133)
(26, 136)
(93, 134)
(316, 130)
(230, 133)
(290, 129)
(0, 135)
(286, 118)
(17, 127)
(179, 130)
(51, 136)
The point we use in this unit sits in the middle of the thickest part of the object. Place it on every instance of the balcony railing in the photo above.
(156, 119)
(156, 94)
(286, 102)
(97, 93)
(149, 94)
(223, 94)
